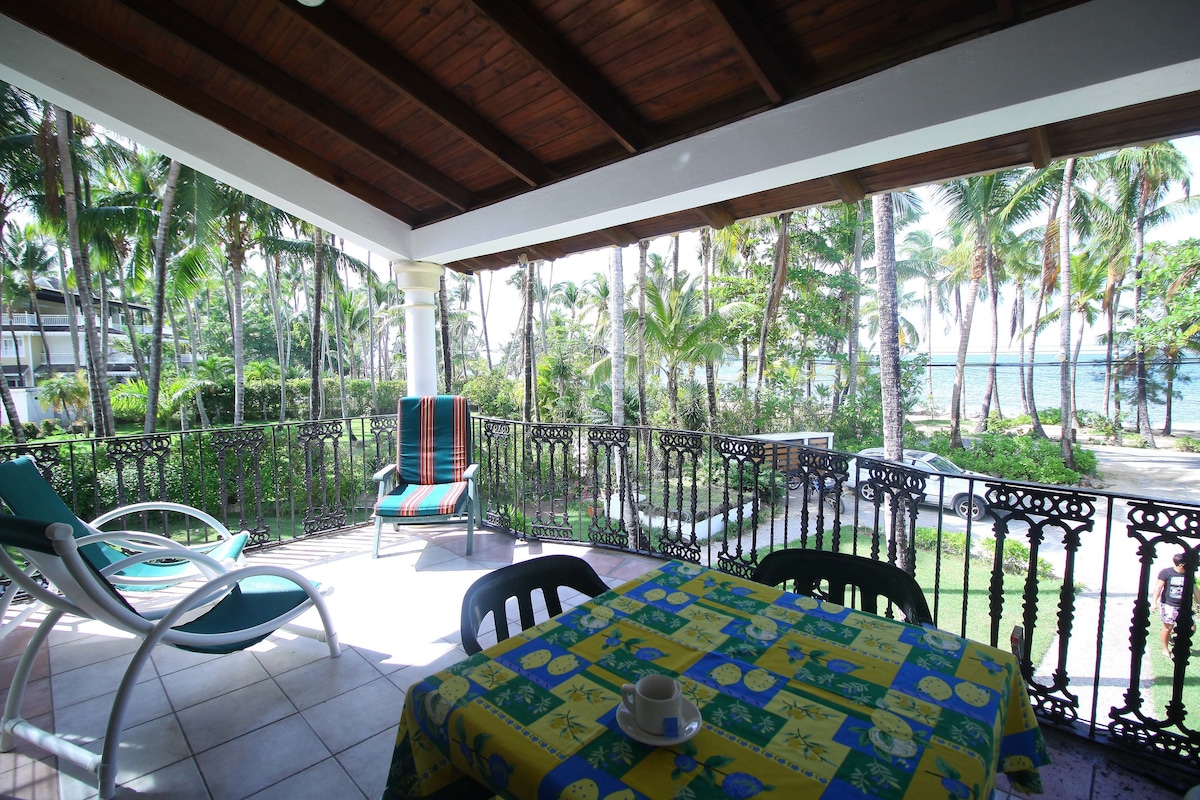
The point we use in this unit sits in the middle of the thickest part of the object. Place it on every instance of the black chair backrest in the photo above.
(819, 573)
(548, 573)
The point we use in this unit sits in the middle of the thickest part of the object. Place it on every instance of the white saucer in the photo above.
(691, 726)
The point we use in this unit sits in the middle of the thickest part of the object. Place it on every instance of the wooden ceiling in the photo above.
(430, 109)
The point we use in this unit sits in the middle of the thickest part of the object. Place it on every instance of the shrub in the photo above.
(50, 426)
(1187, 444)
(1015, 560)
(31, 431)
(1018, 458)
(1050, 416)
(1135, 440)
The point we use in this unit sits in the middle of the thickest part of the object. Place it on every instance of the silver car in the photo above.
(954, 490)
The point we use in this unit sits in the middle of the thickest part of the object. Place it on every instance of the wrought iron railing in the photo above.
(1075, 569)
(278, 481)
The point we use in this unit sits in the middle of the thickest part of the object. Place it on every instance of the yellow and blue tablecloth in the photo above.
(800, 698)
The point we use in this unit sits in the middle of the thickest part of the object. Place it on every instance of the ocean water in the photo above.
(1089, 387)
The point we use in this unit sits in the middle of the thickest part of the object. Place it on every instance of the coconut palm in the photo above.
(102, 413)
(983, 207)
(1141, 179)
(65, 393)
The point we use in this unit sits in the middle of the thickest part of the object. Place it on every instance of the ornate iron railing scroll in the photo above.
(614, 519)
(552, 456)
(320, 443)
(677, 537)
(740, 462)
(1162, 530)
(239, 462)
(1035, 512)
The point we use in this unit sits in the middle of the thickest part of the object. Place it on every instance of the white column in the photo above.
(419, 280)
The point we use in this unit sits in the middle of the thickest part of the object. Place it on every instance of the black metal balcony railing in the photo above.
(1074, 569)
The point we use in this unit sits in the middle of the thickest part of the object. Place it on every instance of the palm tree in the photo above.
(774, 294)
(25, 252)
(159, 303)
(983, 207)
(1143, 178)
(64, 394)
(923, 260)
(678, 334)
(102, 413)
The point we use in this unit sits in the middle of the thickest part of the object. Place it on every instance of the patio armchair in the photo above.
(253, 603)
(433, 478)
(132, 560)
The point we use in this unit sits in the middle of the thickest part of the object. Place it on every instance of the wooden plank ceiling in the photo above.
(432, 108)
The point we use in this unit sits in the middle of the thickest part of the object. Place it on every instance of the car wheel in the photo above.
(867, 492)
(969, 507)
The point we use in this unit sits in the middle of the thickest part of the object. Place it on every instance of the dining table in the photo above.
(785, 695)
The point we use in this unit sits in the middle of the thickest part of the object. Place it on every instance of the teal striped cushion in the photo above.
(417, 500)
(435, 439)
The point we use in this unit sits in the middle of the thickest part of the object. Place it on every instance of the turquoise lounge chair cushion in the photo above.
(27, 494)
(417, 500)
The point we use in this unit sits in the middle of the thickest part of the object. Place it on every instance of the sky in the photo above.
(504, 303)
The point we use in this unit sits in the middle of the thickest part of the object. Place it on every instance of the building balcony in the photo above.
(1115, 712)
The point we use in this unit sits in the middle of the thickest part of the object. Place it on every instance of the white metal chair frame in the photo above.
(81, 591)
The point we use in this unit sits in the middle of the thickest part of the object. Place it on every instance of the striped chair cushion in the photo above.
(435, 439)
(417, 500)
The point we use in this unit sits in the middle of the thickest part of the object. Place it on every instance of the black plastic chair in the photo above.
(807, 570)
(548, 573)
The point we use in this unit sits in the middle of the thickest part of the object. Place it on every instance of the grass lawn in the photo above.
(1164, 674)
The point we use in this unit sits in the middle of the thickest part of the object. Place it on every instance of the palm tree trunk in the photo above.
(1049, 271)
(1064, 283)
(487, 348)
(856, 311)
(194, 334)
(643, 409)
(159, 303)
(527, 363)
(10, 405)
(444, 313)
(37, 315)
(1139, 245)
(102, 416)
(314, 385)
(130, 329)
(960, 364)
(276, 300)
(774, 293)
(69, 302)
(710, 372)
(889, 365)
(1171, 366)
(994, 298)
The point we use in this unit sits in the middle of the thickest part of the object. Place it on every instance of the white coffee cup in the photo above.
(655, 702)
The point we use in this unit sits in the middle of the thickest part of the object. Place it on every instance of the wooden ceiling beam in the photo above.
(848, 187)
(1040, 154)
(363, 47)
(198, 34)
(747, 38)
(716, 215)
(621, 235)
(133, 67)
(544, 47)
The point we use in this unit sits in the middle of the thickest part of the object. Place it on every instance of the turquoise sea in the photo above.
(1089, 387)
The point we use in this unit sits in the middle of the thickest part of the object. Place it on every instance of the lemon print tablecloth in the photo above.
(800, 699)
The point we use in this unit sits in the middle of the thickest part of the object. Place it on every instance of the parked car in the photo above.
(956, 491)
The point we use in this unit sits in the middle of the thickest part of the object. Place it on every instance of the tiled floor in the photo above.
(283, 720)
